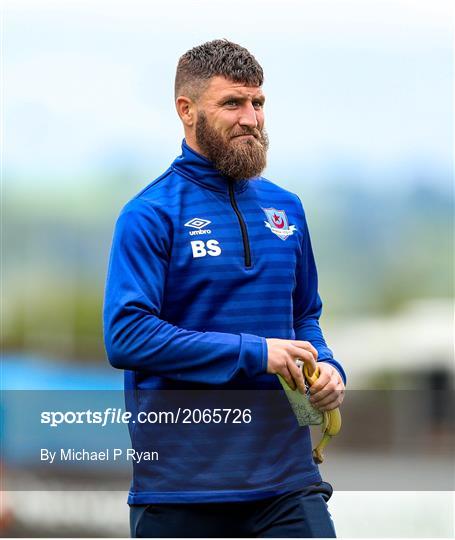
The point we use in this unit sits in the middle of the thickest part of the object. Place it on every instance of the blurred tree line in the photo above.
(376, 249)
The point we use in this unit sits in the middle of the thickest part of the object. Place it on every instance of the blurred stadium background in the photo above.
(360, 117)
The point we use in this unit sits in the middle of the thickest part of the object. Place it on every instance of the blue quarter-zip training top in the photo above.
(202, 269)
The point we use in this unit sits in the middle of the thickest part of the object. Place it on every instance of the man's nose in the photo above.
(248, 116)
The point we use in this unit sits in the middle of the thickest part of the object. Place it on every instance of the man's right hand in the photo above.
(282, 354)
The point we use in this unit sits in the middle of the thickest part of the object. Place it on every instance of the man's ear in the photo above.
(186, 109)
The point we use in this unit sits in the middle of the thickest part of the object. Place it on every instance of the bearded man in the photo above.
(212, 287)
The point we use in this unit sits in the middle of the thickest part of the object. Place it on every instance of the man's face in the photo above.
(230, 128)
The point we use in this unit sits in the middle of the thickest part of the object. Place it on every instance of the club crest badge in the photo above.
(277, 222)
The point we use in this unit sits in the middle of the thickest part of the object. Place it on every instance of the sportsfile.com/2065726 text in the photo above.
(119, 416)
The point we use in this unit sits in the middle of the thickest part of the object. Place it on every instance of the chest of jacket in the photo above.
(233, 260)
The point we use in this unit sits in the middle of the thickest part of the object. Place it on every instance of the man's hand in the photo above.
(328, 391)
(282, 354)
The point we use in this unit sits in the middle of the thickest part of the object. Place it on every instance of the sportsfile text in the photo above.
(119, 416)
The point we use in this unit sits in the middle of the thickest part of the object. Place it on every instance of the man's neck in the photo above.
(191, 142)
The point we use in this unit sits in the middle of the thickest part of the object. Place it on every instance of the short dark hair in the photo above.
(217, 57)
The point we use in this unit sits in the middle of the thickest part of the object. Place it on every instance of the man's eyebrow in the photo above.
(241, 97)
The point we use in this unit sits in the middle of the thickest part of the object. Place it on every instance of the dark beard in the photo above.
(239, 159)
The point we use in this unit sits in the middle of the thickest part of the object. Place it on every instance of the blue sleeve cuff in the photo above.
(253, 354)
(337, 366)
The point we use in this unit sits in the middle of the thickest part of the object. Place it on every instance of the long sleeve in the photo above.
(135, 336)
(308, 305)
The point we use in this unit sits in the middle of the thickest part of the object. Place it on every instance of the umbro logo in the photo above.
(197, 223)
(202, 248)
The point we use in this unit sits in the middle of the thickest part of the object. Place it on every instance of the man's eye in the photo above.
(258, 104)
(231, 102)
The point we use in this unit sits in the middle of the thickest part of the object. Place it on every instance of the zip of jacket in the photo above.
(246, 242)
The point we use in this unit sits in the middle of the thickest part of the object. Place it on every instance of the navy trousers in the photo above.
(298, 514)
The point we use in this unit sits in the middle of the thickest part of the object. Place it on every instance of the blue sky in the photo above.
(353, 85)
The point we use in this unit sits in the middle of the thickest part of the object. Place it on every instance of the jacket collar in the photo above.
(199, 169)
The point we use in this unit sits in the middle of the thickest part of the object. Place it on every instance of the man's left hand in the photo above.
(328, 391)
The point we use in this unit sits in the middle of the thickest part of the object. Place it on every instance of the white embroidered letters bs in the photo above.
(201, 249)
